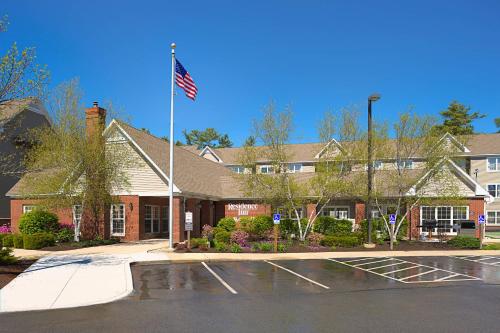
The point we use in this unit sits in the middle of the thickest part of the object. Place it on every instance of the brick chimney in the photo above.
(95, 119)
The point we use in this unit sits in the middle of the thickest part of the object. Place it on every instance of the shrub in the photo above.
(227, 223)
(222, 236)
(38, 240)
(314, 239)
(17, 240)
(290, 227)
(5, 229)
(340, 241)
(38, 221)
(262, 224)
(65, 234)
(239, 237)
(491, 247)
(464, 242)
(1, 239)
(330, 226)
(8, 240)
(221, 247)
(6, 256)
(282, 247)
(378, 225)
(265, 247)
(207, 232)
(235, 248)
(196, 242)
(97, 242)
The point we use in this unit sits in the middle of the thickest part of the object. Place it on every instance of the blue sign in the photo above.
(276, 218)
(392, 218)
(481, 219)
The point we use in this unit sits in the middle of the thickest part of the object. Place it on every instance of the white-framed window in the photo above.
(446, 216)
(338, 212)
(405, 164)
(152, 219)
(164, 219)
(294, 167)
(29, 208)
(493, 217)
(117, 220)
(266, 169)
(493, 164)
(237, 169)
(377, 165)
(494, 190)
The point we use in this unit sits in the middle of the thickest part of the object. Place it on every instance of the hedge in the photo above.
(227, 223)
(464, 242)
(327, 225)
(378, 225)
(8, 240)
(38, 241)
(38, 221)
(17, 240)
(340, 241)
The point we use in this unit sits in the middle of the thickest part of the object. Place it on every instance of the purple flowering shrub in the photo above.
(5, 229)
(314, 239)
(207, 231)
(240, 237)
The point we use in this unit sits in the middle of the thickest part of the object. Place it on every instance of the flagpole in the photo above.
(171, 176)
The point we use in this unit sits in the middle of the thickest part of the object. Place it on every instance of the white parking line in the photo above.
(419, 274)
(297, 274)
(361, 259)
(431, 269)
(224, 283)
(469, 258)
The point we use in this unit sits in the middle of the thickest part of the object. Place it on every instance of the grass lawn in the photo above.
(493, 234)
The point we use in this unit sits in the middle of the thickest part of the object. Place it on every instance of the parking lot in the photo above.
(375, 294)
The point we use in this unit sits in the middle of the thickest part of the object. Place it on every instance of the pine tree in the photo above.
(497, 124)
(458, 119)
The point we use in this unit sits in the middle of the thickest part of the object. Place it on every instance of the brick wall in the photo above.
(16, 210)
(360, 211)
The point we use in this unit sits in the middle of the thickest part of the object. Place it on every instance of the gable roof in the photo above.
(11, 108)
(192, 174)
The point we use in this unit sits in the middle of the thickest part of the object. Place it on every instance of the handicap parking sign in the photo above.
(276, 218)
(392, 218)
(481, 219)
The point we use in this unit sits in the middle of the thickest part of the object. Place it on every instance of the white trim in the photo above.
(318, 155)
(452, 220)
(455, 141)
(111, 220)
(497, 164)
(32, 208)
(219, 160)
(114, 122)
(335, 209)
(497, 217)
(497, 189)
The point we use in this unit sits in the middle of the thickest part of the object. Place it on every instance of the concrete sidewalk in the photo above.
(77, 277)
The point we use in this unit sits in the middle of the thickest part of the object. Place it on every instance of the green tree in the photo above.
(457, 120)
(250, 141)
(497, 124)
(70, 166)
(208, 137)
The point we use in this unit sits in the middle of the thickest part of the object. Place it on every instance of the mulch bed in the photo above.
(9, 272)
(299, 248)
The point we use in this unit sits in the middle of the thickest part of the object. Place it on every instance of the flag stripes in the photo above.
(185, 81)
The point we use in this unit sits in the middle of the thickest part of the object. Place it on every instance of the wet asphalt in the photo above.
(414, 294)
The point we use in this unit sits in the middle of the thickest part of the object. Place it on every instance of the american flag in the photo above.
(184, 80)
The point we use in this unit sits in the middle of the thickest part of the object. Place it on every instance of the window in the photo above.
(377, 165)
(493, 164)
(494, 190)
(294, 167)
(493, 217)
(290, 213)
(28, 208)
(118, 220)
(445, 216)
(266, 169)
(237, 169)
(164, 219)
(405, 164)
(152, 219)
(338, 212)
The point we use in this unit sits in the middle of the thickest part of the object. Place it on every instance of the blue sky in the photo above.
(312, 55)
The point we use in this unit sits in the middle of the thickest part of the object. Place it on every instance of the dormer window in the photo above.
(405, 164)
(294, 167)
(266, 169)
(237, 169)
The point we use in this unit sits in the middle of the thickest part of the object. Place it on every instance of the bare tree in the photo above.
(292, 191)
(68, 166)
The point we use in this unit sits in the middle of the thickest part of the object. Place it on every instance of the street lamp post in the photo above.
(368, 209)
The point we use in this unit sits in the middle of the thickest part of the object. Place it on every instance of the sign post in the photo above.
(189, 226)
(276, 220)
(392, 222)
(481, 221)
